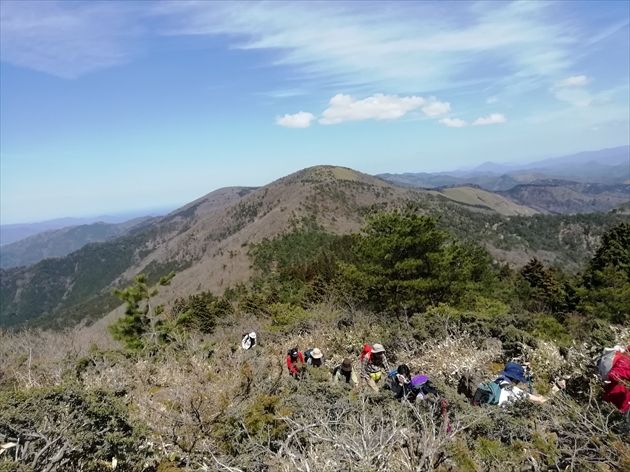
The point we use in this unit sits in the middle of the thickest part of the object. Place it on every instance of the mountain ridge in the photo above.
(585, 182)
(63, 241)
(207, 241)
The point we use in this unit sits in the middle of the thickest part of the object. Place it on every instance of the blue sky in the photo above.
(116, 106)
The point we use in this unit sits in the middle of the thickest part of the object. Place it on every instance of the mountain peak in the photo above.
(330, 173)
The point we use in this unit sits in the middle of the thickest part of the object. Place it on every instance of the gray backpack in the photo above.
(605, 363)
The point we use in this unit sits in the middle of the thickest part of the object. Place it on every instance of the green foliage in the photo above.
(462, 456)
(140, 319)
(614, 251)
(606, 290)
(608, 297)
(58, 285)
(71, 427)
(405, 263)
(201, 311)
(548, 289)
(287, 318)
(264, 417)
(549, 328)
(298, 266)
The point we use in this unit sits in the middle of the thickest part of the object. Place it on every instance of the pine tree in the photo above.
(141, 321)
(405, 263)
(549, 287)
(606, 285)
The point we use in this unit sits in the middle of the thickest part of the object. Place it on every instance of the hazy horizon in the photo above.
(112, 106)
(155, 211)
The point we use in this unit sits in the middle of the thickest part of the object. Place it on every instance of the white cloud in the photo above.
(343, 107)
(453, 122)
(574, 81)
(436, 108)
(376, 107)
(300, 119)
(492, 119)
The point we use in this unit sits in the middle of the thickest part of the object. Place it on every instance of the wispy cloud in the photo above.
(65, 39)
(492, 119)
(574, 81)
(453, 122)
(300, 119)
(576, 97)
(285, 93)
(419, 47)
(573, 90)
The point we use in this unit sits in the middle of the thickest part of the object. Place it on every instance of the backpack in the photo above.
(367, 350)
(487, 393)
(307, 355)
(605, 363)
(468, 383)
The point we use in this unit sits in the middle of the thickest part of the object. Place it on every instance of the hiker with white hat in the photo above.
(314, 357)
(249, 340)
(374, 365)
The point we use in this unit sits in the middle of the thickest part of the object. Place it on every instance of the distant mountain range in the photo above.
(14, 232)
(579, 183)
(610, 157)
(61, 242)
(560, 196)
(207, 241)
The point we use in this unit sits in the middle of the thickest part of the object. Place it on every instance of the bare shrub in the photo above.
(35, 358)
(590, 434)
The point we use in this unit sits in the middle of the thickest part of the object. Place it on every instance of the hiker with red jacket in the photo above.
(374, 365)
(614, 367)
(295, 361)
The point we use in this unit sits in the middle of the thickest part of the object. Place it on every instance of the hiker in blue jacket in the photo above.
(504, 390)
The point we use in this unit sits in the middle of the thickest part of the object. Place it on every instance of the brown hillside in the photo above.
(479, 197)
(569, 197)
(207, 241)
(211, 240)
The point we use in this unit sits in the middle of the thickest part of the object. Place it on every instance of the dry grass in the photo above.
(35, 358)
(208, 405)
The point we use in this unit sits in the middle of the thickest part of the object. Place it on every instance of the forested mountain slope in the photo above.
(61, 242)
(207, 241)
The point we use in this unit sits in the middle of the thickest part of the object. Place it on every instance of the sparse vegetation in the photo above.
(179, 393)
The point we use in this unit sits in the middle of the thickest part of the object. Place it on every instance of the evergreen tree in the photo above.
(613, 251)
(606, 285)
(141, 319)
(550, 290)
(405, 263)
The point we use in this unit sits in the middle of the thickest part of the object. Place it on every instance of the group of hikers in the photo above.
(374, 372)
(512, 384)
